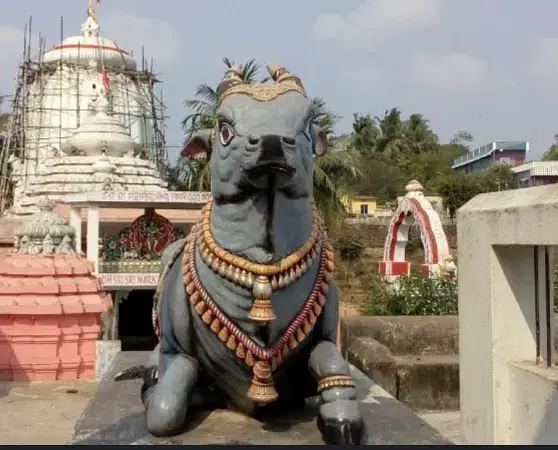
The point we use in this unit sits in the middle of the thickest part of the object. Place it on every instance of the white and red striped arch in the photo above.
(414, 208)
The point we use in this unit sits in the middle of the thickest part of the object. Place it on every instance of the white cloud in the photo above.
(12, 43)
(544, 62)
(376, 18)
(161, 41)
(366, 77)
(11, 52)
(456, 71)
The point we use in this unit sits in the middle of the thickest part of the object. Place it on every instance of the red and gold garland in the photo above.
(262, 360)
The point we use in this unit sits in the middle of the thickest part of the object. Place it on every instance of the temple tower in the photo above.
(57, 93)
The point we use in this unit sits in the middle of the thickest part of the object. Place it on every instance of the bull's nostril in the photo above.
(253, 139)
(289, 140)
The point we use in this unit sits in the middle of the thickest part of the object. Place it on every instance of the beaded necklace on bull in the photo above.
(262, 279)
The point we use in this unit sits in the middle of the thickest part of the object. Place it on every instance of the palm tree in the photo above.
(204, 106)
(392, 141)
(420, 138)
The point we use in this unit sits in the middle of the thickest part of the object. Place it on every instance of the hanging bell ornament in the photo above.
(262, 308)
(262, 390)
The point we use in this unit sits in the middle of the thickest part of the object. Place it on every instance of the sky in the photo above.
(488, 67)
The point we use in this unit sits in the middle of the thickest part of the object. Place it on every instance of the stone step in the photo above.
(115, 415)
(428, 382)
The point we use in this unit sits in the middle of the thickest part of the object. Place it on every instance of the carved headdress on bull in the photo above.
(232, 83)
(252, 284)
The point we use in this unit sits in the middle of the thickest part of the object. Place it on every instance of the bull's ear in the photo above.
(199, 145)
(320, 141)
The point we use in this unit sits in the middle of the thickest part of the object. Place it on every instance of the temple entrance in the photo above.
(135, 328)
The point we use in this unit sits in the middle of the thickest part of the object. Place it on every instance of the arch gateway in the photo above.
(415, 208)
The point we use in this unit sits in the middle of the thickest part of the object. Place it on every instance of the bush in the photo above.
(350, 248)
(416, 296)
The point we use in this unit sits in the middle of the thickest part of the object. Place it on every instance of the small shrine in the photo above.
(415, 208)
(138, 248)
(50, 303)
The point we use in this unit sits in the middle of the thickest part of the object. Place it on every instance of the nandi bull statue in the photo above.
(245, 308)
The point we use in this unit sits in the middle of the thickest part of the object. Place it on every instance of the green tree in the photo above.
(418, 135)
(457, 189)
(366, 133)
(499, 178)
(204, 105)
(552, 153)
(462, 138)
(392, 141)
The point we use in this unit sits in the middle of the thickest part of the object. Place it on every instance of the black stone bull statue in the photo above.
(245, 308)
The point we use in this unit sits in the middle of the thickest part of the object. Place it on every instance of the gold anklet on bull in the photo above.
(263, 361)
(263, 279)
(335, 381)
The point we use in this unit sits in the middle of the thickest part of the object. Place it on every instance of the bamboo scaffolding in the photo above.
(135, 87)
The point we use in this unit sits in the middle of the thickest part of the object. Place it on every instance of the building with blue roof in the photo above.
(512, 153)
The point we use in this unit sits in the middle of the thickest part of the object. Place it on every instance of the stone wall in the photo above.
(373, 235)
(352, 277)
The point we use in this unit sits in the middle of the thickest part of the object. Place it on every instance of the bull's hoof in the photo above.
(341, 431)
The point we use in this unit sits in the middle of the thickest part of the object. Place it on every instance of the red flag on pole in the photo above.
(106, 81)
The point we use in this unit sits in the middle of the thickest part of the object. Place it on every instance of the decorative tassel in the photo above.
(262, 390)
(216, 326)
(262, 308)
(300, 335)
(249, 359)
(188, 278)
(224, 334)
(240, 351)
(292, 343)
(312, 318)
(231, 343)
(321, 300)
(190, 288)
(200, 308)
(207, 317)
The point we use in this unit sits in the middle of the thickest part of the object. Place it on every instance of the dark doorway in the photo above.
(135, 329)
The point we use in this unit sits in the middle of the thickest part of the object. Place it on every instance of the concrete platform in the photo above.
(115, 415)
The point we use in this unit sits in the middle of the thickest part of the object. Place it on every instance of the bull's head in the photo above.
(265, 137)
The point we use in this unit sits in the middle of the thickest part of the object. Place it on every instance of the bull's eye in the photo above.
(226, 134)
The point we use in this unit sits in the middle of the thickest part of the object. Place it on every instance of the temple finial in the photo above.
(91, 9)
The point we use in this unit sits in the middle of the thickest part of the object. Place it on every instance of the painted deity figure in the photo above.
(246, 309)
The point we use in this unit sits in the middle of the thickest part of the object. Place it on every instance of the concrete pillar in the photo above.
(506, 326)
(75, 221)
(93, 235)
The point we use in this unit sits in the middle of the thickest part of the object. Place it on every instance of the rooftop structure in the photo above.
(50, 303)
(536, 173)
(481, 159)
(83, 117)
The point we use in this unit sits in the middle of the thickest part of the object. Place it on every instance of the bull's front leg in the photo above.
(168, 388)
(339, 419)
(168, 398)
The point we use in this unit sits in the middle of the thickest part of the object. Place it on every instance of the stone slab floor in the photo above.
(46, 413)
(41, 413)
(447, 423)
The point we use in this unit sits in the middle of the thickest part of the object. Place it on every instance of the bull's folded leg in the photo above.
(339, 419)
(168, 400)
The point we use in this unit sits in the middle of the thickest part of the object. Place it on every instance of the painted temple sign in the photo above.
(415, 208)
(137, 249)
